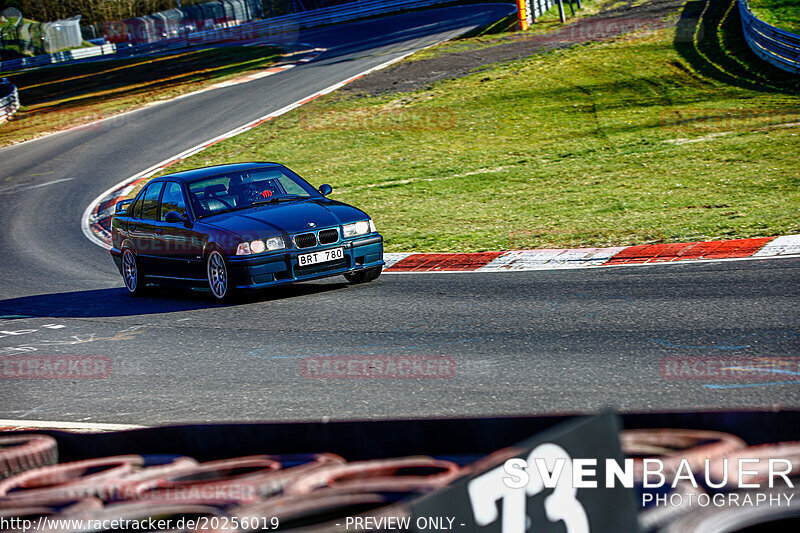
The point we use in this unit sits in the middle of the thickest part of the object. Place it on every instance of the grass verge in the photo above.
(61, 97)
(784, 14)
(616, 143)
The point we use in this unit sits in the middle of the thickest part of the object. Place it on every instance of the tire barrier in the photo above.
(672, 446)
(408, 474)
(315, 492)
(721, 451)
(68, 480)
(786, 450)
(24, 452)
(144, 511)
(734, 519)
(9, 99)
(317, 512)
(50, 507)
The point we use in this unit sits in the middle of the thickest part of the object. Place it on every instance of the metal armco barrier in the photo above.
(776, 46)
(9, 100)
(253, 30)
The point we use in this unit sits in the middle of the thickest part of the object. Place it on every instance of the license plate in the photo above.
(322, 256)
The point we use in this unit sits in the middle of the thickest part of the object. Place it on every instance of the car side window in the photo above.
(172, 200)
(150, 201)
(136, 208)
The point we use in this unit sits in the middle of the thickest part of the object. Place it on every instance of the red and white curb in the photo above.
(81, 427)
(96, 219)
(548, 259)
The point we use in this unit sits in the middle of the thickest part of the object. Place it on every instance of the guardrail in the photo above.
(252, 30)
(777, 46)
(9, 100)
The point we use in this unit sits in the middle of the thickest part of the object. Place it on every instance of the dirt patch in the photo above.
(606, 25)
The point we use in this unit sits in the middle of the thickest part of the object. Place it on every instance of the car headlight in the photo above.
(361, 227)
(257, 246)
(275, 243)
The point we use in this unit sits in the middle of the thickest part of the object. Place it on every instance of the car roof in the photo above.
(216, 170)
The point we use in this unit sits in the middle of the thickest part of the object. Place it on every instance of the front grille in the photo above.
(305, 240)
(328, 236)
(320, 267)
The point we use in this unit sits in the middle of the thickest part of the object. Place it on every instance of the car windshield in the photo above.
(242, 190)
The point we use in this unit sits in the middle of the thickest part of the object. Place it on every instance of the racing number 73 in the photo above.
(485, 490)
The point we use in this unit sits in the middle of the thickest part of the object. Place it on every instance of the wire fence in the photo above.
(9, 100)
(178, 22)
(44, 37)
(777, 46)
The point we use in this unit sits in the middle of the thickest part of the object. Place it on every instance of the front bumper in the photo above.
(276, 268)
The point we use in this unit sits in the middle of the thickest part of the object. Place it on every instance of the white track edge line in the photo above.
(49, 424)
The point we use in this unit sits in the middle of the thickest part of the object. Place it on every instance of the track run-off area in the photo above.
(551, 341)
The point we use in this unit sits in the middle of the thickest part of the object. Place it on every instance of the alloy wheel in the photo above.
(217, 275)
(130, 273)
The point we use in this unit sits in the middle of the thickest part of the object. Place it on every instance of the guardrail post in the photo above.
(522, 14)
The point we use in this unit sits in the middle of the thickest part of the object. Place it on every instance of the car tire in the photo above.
(219, 278)
(364, 276)
(132, 275)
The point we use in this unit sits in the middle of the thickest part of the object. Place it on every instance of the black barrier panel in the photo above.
(467, 438)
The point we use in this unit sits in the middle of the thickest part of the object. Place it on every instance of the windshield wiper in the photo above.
(285, 198)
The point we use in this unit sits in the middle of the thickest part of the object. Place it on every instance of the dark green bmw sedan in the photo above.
(240, 226)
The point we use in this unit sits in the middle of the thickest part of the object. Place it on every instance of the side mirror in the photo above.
(325, 189)
(122, 207)
(173, 217)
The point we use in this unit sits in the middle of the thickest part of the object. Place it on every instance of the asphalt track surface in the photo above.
(522, 343)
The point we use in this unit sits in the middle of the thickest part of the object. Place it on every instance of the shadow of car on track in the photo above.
(115, 302)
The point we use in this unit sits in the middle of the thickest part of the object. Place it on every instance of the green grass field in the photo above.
(783, 14)
(615, 143)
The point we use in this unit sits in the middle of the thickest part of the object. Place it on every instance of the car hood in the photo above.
(287, 218)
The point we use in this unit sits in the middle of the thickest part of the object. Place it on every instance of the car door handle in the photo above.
(159, 231)
(132, 228)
